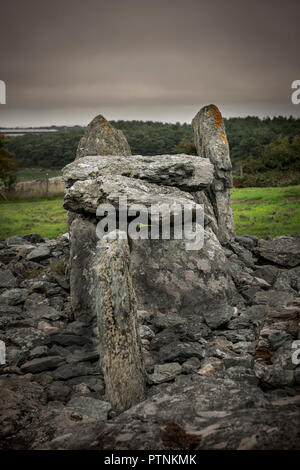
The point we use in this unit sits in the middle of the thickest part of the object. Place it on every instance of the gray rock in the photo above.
(38, 254)
(168, 320)
(246, 242)
(7, 279)
(95, 409)
(13, 296)
(15, 240)
(191, 365)
(164, 373)
(83, 246)
(273, 298)
(41, 364)
(179, 352)
(57, 391)
(120, 349)
(85, 196)
(278, 338)
(284, 250)
(245, 361)
(182, 171)
(274, 376)
(101, 138)
(188, 281)
(268, 272)
(39, 351)
(211, 142)
(68, 371)
(218, 315)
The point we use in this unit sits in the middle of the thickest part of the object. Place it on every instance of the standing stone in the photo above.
(83, 245)
(120, 347)
(211, 142)
(101, 138)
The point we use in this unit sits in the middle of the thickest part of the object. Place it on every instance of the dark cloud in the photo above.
(69, 59)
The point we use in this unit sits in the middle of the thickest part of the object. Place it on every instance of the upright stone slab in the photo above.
(101, 138)
(120, 347)
(83, 245)
(211, 142)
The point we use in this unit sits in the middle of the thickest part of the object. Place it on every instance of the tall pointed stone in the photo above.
(101, 138)
(211, 142)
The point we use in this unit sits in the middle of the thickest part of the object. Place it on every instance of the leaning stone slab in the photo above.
(120, 348)
(183, 171)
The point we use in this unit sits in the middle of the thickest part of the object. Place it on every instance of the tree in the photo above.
(8, 166)
(185, 146)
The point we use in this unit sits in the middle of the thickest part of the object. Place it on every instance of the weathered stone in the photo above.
(13, 296)
(187, 280)
(38, 254)
(284, 250)
(7, 279)
(211, 142)
(120, 348)
(68, 371)
(101, 138)
(15, 240)
(85, 196)
(83, 245)
(191, 365)
(179, 352)
(210, 366)
(91, 407)
(57, 391)
(183, 171)
(217, 315)
(165, 373)
(41, 364)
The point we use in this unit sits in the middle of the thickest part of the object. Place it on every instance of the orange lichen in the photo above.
(223, 137)
(218, 120)
(217, 115)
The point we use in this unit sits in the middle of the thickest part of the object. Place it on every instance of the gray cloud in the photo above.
(129, 58)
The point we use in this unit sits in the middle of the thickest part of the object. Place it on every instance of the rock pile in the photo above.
(198, 347)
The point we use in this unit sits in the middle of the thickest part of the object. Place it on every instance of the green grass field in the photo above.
(257, 211)
(30, 174)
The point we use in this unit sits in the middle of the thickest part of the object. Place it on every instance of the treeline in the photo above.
(251, 140)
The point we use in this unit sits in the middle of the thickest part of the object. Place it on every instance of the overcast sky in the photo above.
(64, 61)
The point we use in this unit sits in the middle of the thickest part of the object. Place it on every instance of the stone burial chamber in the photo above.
(115, 342)
(114, 277)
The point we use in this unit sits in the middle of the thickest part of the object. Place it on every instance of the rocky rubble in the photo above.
(140, 343)
(230, 384)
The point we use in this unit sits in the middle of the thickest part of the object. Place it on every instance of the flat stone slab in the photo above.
(86, 196)
(183, 171)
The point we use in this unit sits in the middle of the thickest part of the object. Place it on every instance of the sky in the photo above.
(65, 61)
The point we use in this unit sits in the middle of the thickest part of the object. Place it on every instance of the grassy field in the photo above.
(29, 174)
(45, 216)
(266, 211)
(257, 211)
